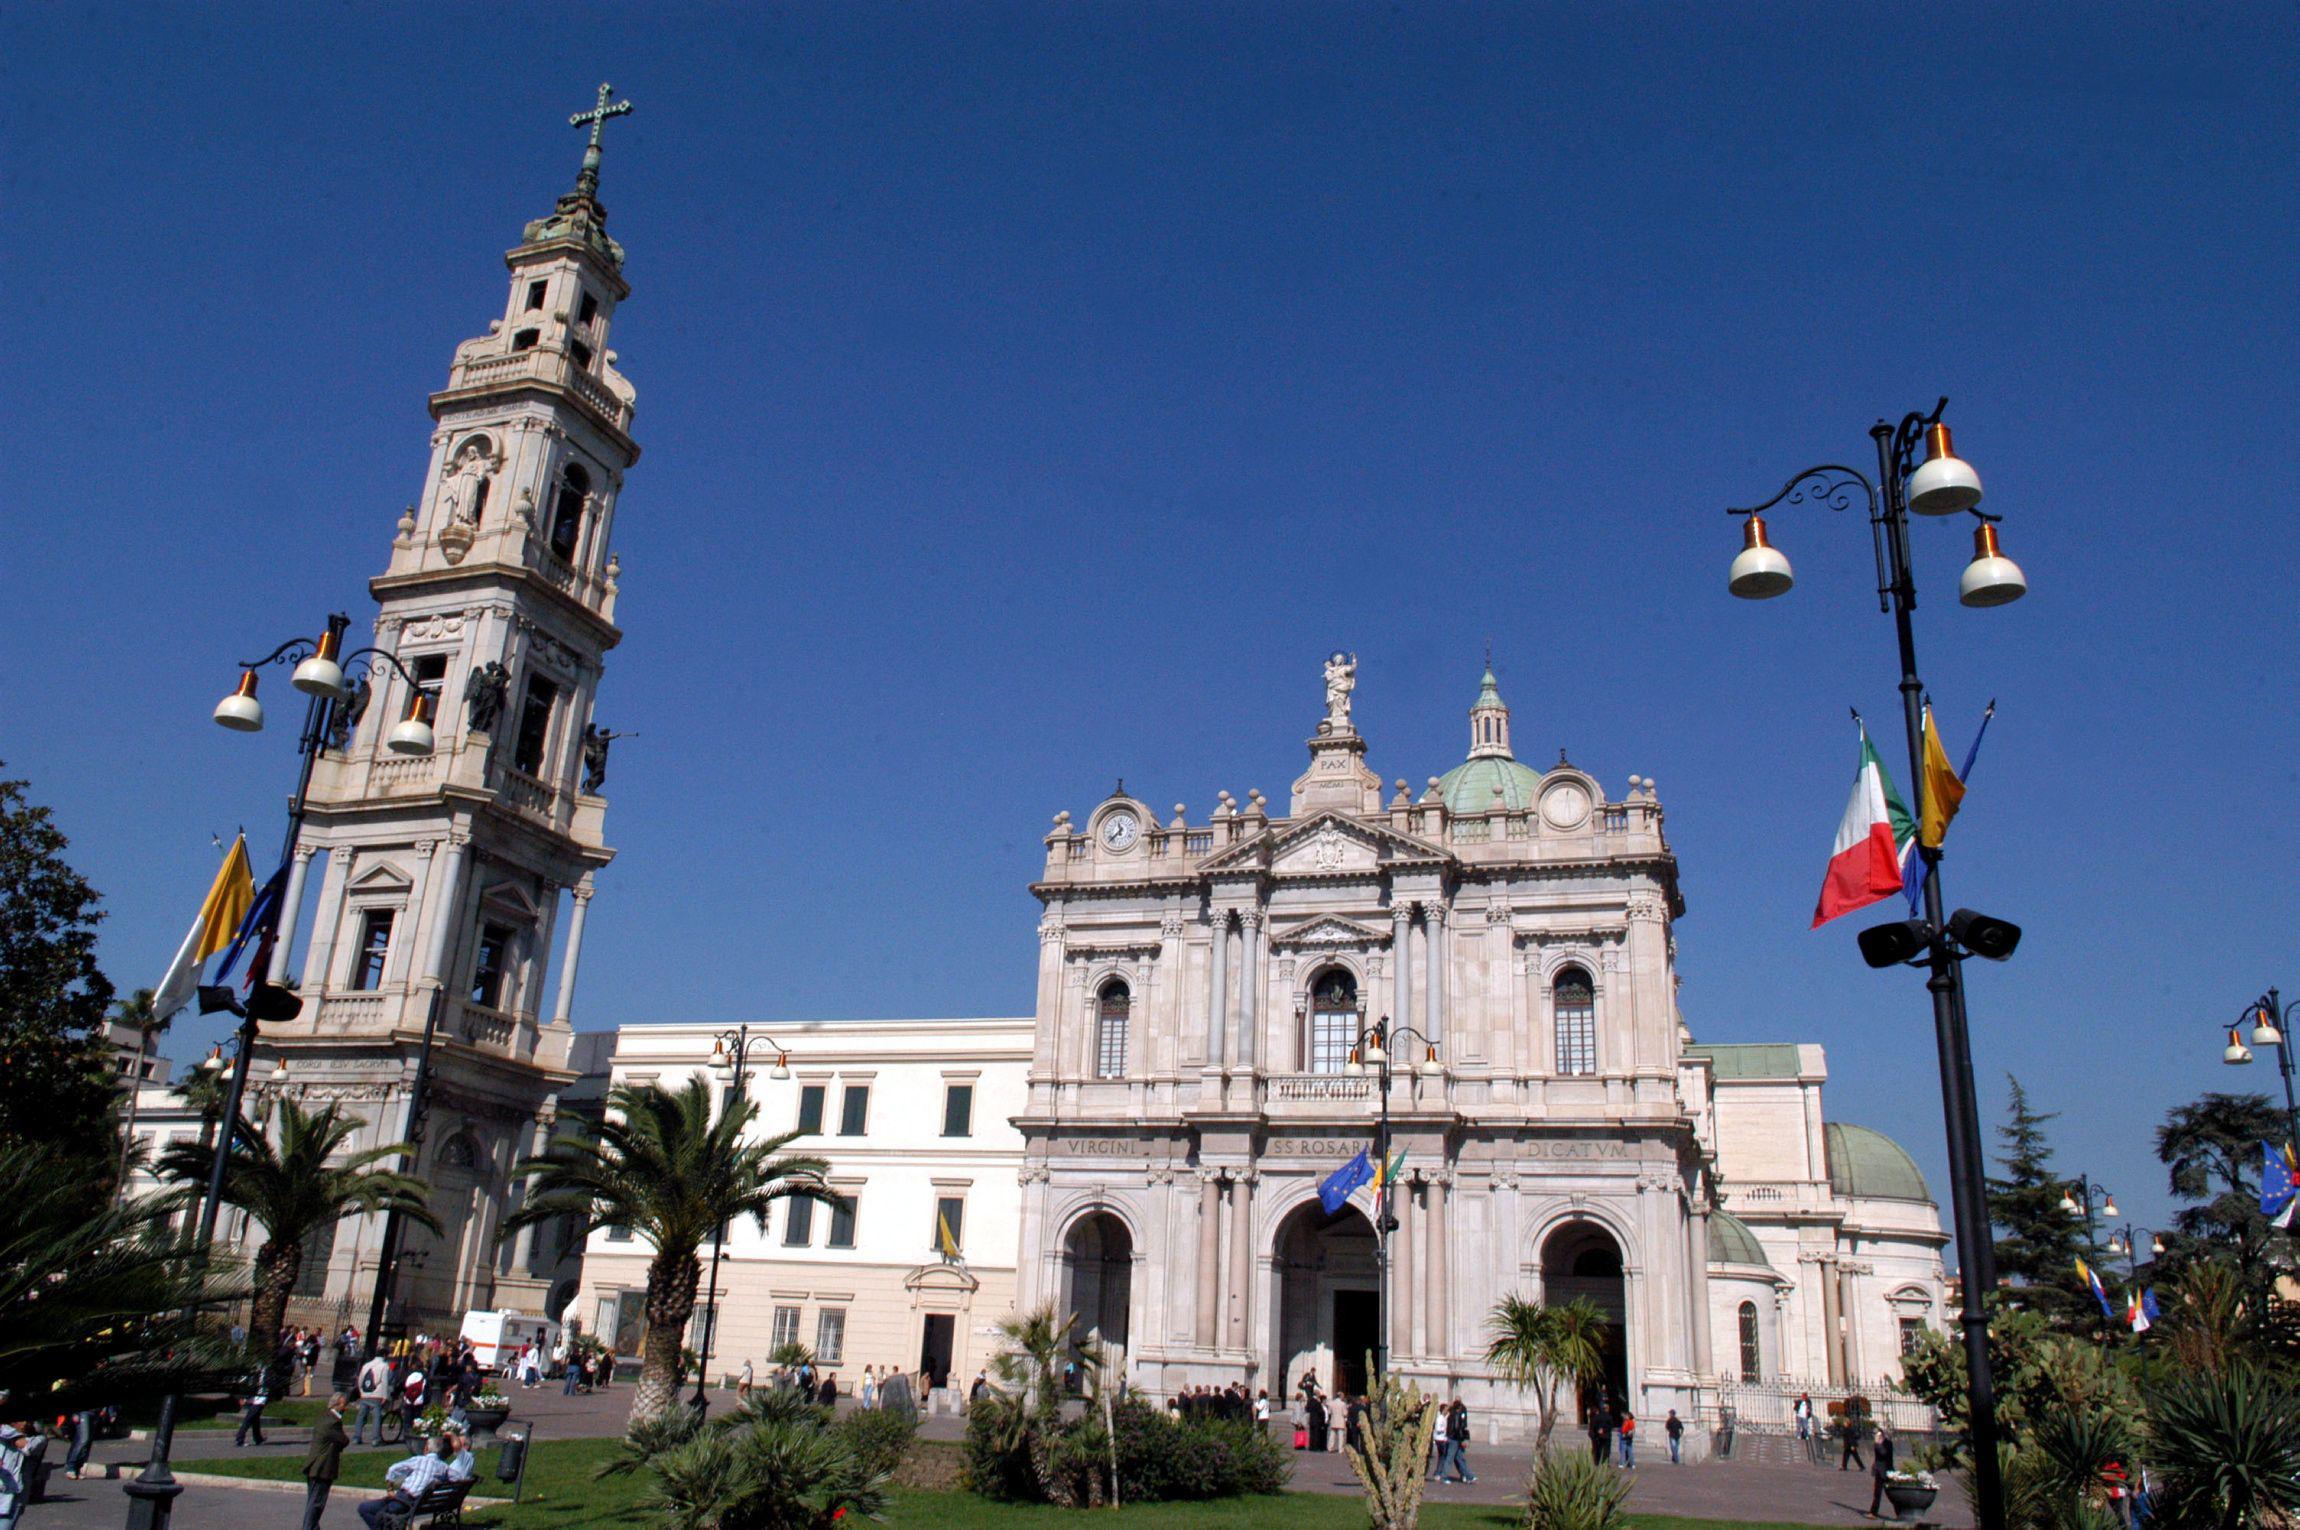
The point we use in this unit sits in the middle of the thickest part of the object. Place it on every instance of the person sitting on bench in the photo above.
(409, 1480)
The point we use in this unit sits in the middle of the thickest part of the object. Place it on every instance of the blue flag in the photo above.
(1334, 1191)
(263, 917)
(2276, 1182)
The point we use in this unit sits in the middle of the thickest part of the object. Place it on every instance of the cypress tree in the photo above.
(2038, 1243)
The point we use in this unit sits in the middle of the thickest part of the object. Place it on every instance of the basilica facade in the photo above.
(1204, 1000)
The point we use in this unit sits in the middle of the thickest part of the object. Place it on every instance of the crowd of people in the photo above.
(1335, 1421)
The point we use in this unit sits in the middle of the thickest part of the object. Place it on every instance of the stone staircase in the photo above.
(1768, 1448)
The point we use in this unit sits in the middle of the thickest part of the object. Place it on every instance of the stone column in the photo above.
(1218, 1000)
(1438, 1344)
(1832, 1324)
(291, 913)
(1401, 946)
(1440, 961)
(1697, 1262)
(562, 1003)
(1239, 1297)
(1255, 978)
(446, 901)
(1209, 1256)
(1400, 1317)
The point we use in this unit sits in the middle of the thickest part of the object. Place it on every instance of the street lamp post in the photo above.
(336, 699)
(1943, 484)
(1374, 1048)
(2081, 1198)
(2124, 1241)
(731, 1049)
(2269, 1027)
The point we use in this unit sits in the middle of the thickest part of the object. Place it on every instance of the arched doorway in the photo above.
(1098, 1277)
(1581, 1260)
(1329, 1307)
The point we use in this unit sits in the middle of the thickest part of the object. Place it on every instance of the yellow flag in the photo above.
(228, 902)
(1943, 791)
(942, 1230)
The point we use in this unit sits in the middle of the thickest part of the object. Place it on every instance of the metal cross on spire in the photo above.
(587, 182)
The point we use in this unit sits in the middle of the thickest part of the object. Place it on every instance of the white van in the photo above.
(495, 1337)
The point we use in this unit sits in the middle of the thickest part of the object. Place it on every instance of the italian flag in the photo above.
(1874, 840)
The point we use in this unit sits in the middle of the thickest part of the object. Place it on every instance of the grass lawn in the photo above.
(562, 1495)
(195, 1414)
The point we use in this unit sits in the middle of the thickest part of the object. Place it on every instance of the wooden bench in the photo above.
(441, 1504)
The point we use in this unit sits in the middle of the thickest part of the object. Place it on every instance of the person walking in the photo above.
(374, 1391)
(869, 1392)
(1880, 1467)
(1674, 1427)
(1628, 1440)
(1337, 1412)
(1455, 1428)
(1849, 1426)
(252, 1407)
(309, 1355)
(744, 1380)
(1600, 1438)
(83, 1441)
(1802, 1412)
(323, 1463)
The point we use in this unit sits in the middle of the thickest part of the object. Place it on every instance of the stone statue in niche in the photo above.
(1341, 679)
(484, 694)
(463, 493)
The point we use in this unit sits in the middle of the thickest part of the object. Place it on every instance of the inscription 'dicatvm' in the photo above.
(1332, 1147)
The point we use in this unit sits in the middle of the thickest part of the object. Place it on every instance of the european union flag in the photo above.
(2276, 1181)
(1335, 1189)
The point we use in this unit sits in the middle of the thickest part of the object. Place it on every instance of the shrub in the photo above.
(783, 1475)
(1160, 1457)
(878, 1438)
(2227, 1448)
(1570, 1490)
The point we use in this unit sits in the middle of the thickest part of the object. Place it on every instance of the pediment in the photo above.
(1326, 844)
(1330, 930)
(382, 877)
(509, 898)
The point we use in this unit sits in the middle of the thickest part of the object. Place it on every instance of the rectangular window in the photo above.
(525, 340)
(619, 1233)
(1576, 1026)
(490, 968)
(799, 1226)
(786, 1328)
(831, 1335)
(587, 310)
(581, 353)
(948, 1234)
(367, 963)
(958, 1111)
(842, 1223)
(535, 291)
(854, 1110)
(534, 725)
(699, 1329)
(430, 676)
(811, 1108)
(1332, 1034)
(1912, 1334)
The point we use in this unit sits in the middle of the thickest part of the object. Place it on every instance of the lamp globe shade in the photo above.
(1946, 483)
(1991, 579)
(2069, 1205)
(240, 711)
(320, 675)
(2264, 1031)
(1760, 571)
(2108, 1208)
(782, 1067)
(1430, 1066)
(2236, 1052)
(412, 733)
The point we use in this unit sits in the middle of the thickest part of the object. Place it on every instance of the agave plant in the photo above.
(1393, 1459)
(1572, 1490)
(778, 1475)
(2227, 1449)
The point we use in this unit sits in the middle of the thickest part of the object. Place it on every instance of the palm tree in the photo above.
(96, 1305)
(136, 1010)
(662, 1167)
(293, 1189)
(1546, 1348)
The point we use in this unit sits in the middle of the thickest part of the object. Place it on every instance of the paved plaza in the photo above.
(1736, 1490)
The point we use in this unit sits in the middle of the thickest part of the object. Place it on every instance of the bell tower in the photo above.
(435, 1005)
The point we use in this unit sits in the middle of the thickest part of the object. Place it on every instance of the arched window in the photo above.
(1751, 1362)
(1334, 1019)
(1113, 1010)
(567, 510)
(1576, 1010)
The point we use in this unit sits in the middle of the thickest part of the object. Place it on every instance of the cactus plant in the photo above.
(1393, 1453)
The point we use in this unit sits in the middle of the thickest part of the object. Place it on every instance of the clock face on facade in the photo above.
(1119, 831)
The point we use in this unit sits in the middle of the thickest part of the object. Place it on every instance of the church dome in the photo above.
(1870, 1166)
(1731, 1242)
(1470, 786)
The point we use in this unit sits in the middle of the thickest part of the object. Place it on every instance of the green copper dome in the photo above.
(1867, 1165)
(1731, 1242)
(1468, 787)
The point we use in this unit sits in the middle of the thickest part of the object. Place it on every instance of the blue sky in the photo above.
(1032, 395)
